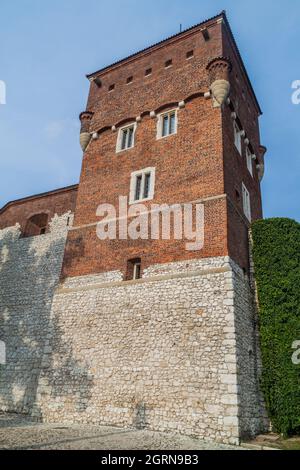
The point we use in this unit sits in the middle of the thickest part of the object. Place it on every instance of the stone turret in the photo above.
(85, 136)
(219, 70)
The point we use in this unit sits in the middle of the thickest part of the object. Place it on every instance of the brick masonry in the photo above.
(179, 348)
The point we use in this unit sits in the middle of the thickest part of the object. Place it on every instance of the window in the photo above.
(148, 72)
(111, 87)
(190, 54)
(237, 137)
(36, 225)
(126, 138)
(249, 161)
(142, 185)
(168, 63)
(246, 202)
(134, 269)
(167, 124)
(129, 80)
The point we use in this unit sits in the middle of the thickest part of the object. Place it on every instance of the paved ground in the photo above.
(18, 432)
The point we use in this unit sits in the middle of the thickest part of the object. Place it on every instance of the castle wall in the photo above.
(54, 202)
(29, 272)
(162, 352)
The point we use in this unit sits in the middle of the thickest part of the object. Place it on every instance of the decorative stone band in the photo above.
(85, 136)
(164, 277)
(219, 70)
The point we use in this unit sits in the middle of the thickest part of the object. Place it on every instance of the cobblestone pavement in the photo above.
(19, 432)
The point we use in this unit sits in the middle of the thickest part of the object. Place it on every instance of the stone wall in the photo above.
(175, 350)
(165, 352)
(29, 272)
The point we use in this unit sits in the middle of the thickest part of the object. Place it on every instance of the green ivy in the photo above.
(276, 253)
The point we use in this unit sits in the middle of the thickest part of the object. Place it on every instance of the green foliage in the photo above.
(276, 252)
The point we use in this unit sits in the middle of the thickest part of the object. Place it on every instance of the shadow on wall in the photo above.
(29, 274)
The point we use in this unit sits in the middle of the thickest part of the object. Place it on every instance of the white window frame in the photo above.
(249, 161)
(135, 269)
(246, 202)
(237, 137)
(133, 179)
(120, 137)
(160, 120)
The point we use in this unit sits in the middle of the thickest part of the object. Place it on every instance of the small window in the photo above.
(134, 269)
(237, 137)
(168, 63)
(129, 80)
(126, 138)
(167, 124)
(249, 161)
(190, 54)
(246, 202)
(148, 72)
(111, 87)
(142, 185)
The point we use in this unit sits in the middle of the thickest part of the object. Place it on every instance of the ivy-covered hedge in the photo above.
(276, 252)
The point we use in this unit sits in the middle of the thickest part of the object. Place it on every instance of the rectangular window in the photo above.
(138, 187)
(147, 185)
(246, 202)
(249, 161)
(237, 137)
(134, 270)
(168, 63)
(142, 185)
(126, 138)
(167, 124)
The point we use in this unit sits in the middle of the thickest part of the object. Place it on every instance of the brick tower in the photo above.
(167, 337)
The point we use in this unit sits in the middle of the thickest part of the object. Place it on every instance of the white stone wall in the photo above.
(176, 350)
(29, 272)
(162, 352)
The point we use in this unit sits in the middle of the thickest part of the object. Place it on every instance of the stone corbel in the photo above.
(85, 135)
(218, 71)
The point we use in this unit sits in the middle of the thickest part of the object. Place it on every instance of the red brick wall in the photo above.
(235, 165)
(55, 202)
(188, 165)
(199, 162)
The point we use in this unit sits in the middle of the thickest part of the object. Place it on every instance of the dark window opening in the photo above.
(147, 185)
(169, 124)
(138, 186)
(36, 225)
(134, 269)
(148, 72)
(189, 54)
(127, 138)
(111, 87)
(168, 63)
(129, 80)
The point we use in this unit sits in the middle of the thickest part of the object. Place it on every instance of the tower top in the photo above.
(220, 18)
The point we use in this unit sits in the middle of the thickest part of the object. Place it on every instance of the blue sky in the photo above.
(47, 47)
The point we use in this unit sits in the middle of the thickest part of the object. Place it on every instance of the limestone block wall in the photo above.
(163, 352)
(29, 273)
